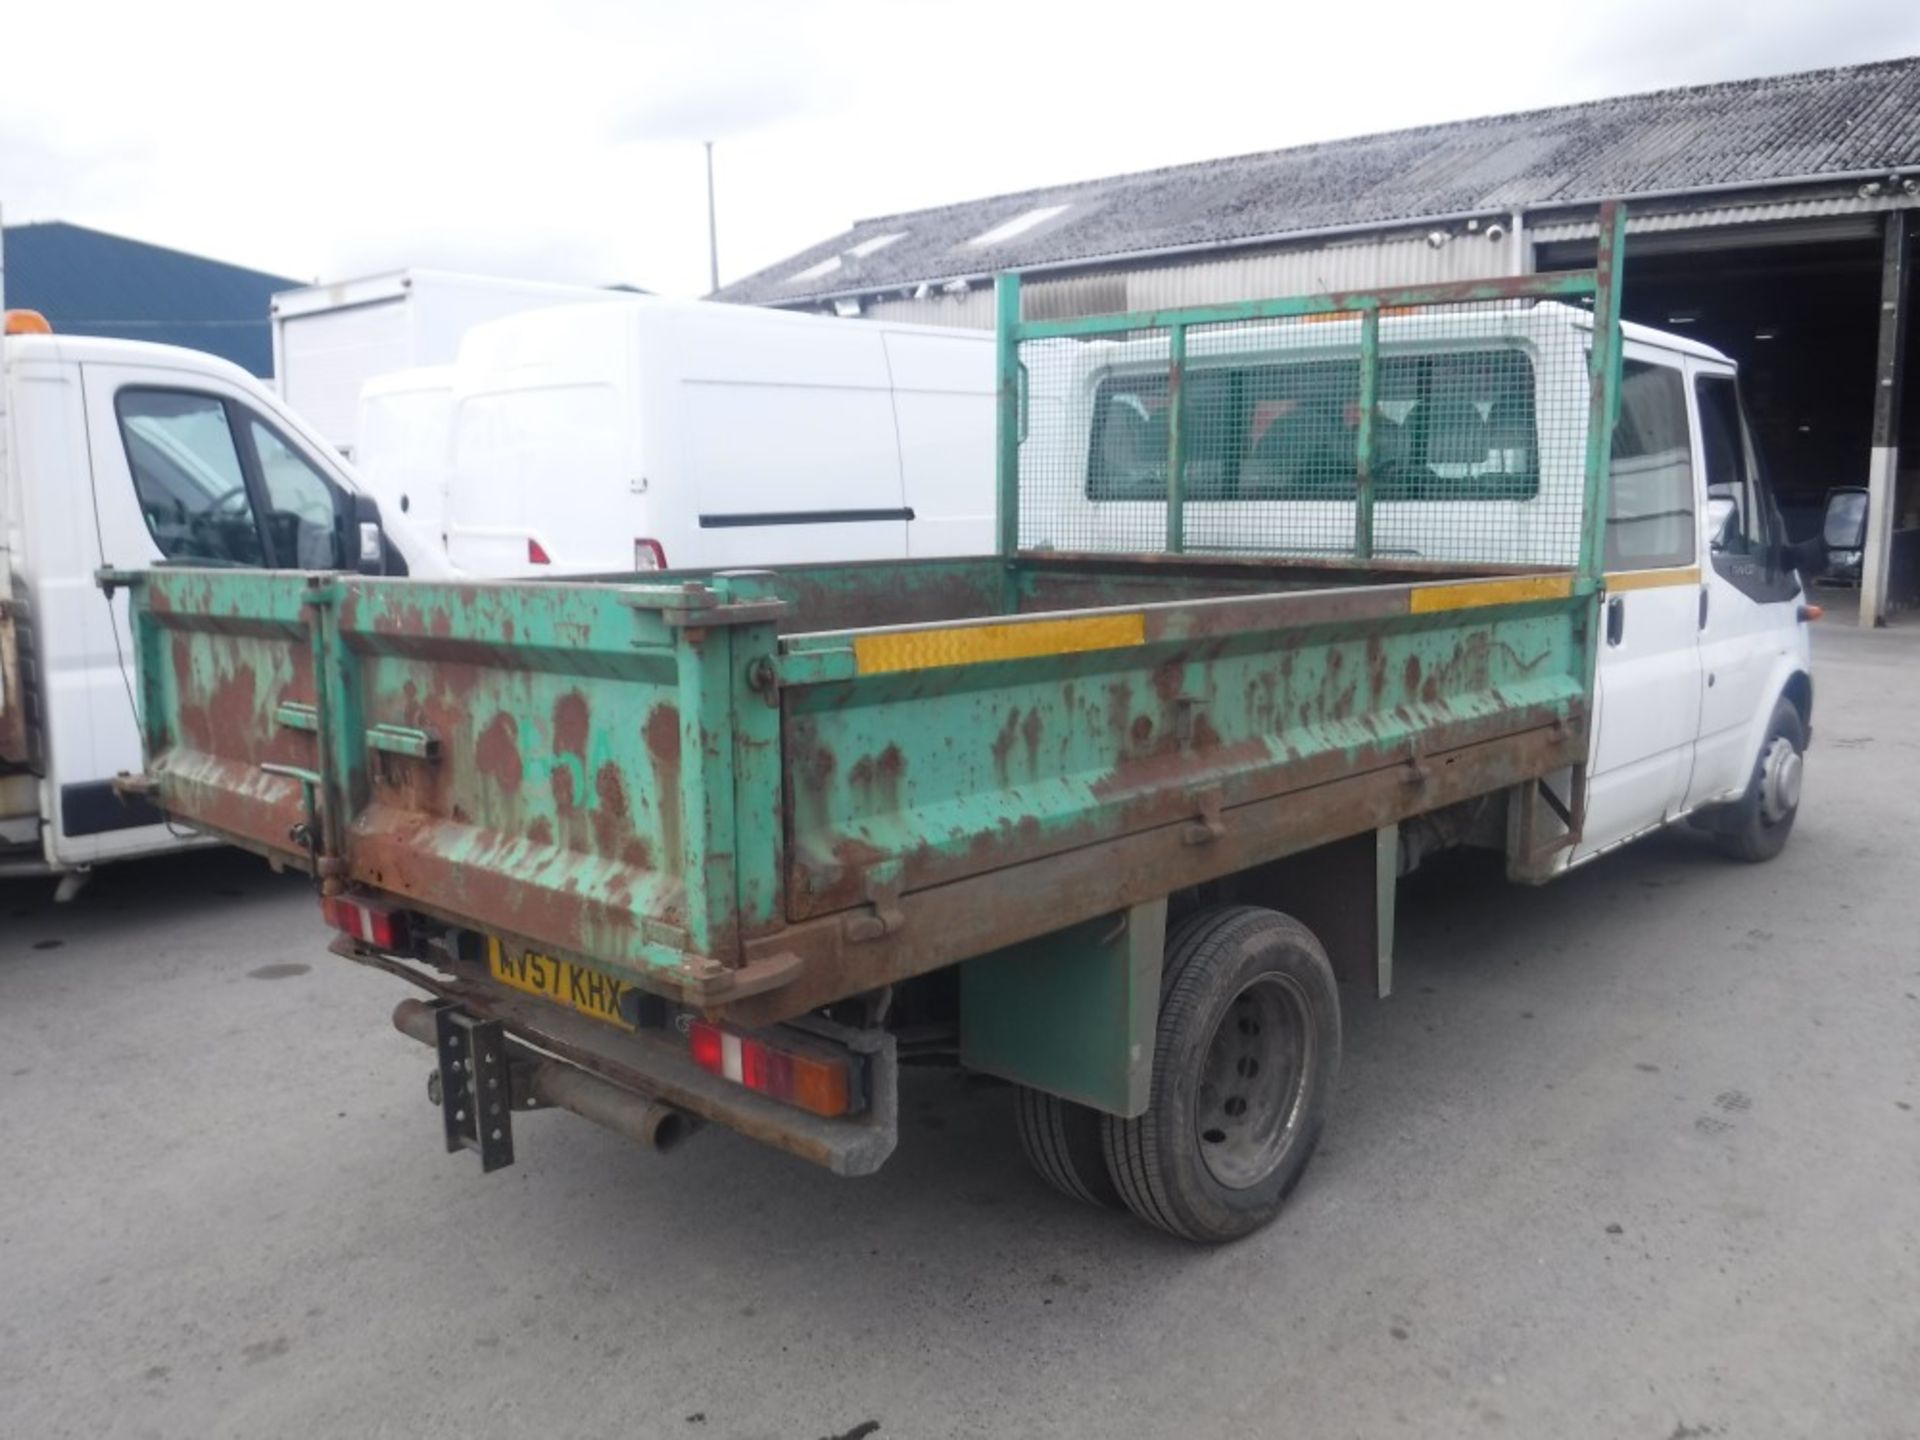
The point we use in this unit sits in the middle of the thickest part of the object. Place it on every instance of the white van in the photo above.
(1704, 697)
(406, 429)
(643, 433)
(119, 454)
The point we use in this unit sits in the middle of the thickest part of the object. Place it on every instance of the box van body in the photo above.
(124, 455)
(632, 434)
(328, 340)
(1480, 430)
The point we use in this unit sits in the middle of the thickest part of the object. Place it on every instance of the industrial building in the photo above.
(1772, 218)
(87, 282)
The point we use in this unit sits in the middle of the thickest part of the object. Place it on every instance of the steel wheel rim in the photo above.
(1780, 771)
(1253, 1084)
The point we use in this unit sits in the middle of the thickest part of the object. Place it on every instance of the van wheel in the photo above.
(1062, 1141)
(1758, 827)
(1245, 1054)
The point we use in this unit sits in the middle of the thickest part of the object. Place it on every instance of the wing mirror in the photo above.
(368, 537)
(1845, 524)
(1723, 521)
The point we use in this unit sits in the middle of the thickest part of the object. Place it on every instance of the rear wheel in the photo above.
(1245, 1054)
(1759, 824)
(1062, 1141)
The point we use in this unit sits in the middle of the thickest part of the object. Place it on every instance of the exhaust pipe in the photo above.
(651, 1122)
(656, 1125)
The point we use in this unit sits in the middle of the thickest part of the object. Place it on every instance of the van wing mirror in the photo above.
(1844, 527)
(1723, 520)
(368, 537)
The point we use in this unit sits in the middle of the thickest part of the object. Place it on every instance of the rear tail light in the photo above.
(537, 553)
(820, 1083)
(649, 555)
(380, 927)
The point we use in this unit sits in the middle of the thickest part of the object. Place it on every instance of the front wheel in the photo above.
(1763, 818)
(1245, 1054)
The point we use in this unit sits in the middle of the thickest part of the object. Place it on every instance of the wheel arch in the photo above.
(1799, 689)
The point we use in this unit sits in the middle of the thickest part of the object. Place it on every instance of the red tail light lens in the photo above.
(380, 927)
(537, 553)
(820, 1083)
(705, 1041)
(649, 555)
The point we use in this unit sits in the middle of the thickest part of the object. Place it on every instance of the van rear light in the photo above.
(380, 927)
(649, 555)
(817, 1082)
(537, 553)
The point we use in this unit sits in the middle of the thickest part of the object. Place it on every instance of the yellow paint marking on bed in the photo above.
(976, 644)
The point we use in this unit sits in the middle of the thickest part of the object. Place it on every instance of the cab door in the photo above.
(1648, 677)
(183, 468)
(1748, 608)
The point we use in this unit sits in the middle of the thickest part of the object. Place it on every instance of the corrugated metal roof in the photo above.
(87, 282)
(1711, 137)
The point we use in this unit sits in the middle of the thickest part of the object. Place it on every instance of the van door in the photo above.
(783, 428)
(943, 393)
(1747, 617)
(1648, 680)
(184, 467)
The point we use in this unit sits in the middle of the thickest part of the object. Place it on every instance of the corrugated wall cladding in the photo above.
(1818, 207)
(972, 311)
(1406, 260)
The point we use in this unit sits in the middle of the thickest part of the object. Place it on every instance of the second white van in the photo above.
(638, 434)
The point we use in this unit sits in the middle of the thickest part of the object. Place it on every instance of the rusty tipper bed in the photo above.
(728, 847)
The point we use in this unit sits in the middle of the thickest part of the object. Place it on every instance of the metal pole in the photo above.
(1884, 464)
(1177, 439)
(1604, 406)
(1006, 340)
(713, 230)
(1369, 399)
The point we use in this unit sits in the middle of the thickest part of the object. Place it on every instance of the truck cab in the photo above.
(120, 454)
(1705, 616)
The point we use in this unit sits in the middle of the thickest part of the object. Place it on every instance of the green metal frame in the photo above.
(1601, 285)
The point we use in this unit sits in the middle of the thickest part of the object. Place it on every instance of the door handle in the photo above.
(1704, 593)
(1616, 619)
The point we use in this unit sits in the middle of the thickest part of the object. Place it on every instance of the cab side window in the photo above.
(1650, 522)
(188, 476)
(302, 508)
(1737, 518)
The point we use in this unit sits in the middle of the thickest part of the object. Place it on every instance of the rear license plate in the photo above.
(574, 986)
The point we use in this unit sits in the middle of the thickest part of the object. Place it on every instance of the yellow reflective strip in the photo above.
(973, 644)
(1619, 580)
(1471, 593)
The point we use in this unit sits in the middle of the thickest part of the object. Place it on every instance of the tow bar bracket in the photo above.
(476, 1087)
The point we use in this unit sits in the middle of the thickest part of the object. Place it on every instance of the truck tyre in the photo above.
(1759, 823)
(1244, 1059)
(1062, 1141)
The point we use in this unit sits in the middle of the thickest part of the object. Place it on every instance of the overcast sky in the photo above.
(561, 140)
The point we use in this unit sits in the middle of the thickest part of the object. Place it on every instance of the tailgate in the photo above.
(552, 763)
